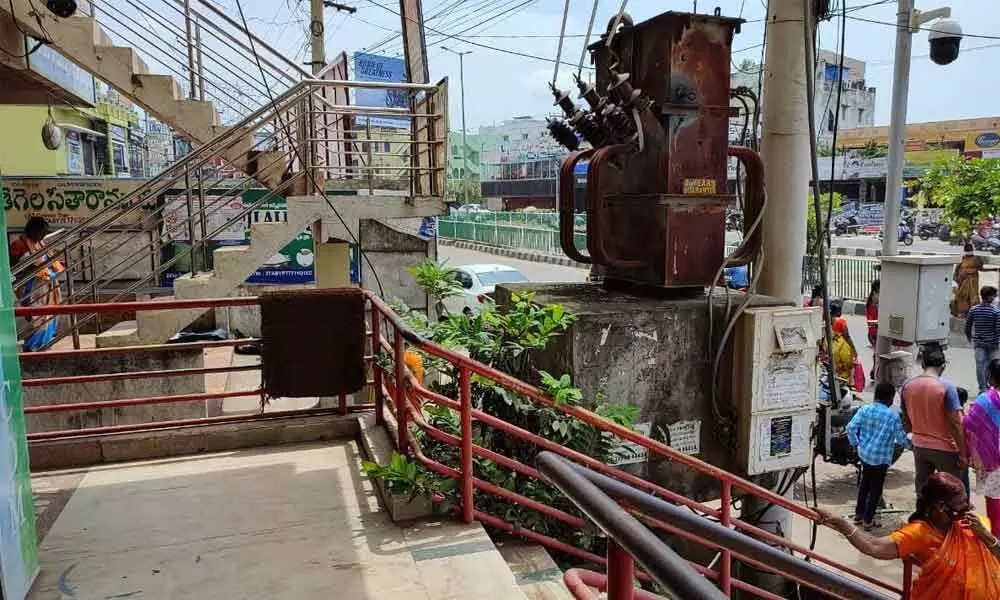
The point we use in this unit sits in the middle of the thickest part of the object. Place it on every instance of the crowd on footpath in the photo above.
(956, 551)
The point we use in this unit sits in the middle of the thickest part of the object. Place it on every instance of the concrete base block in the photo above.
(378, 448)
(195, 439)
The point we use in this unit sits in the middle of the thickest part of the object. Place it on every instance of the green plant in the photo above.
(873, 149)
(439, 281)
(967, 188)
(827, 201)
(403, 477)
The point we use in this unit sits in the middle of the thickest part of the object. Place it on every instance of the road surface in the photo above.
(874, 243)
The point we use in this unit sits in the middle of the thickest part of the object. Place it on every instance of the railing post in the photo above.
(74, 328)
(188, 37)
(907, 579)
(376, 369)
(400, 399)
(465, 398)
(621, 573)
(726, 558)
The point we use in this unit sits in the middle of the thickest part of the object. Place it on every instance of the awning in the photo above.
(78, 129)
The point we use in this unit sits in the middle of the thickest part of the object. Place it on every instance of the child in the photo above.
(875, 430)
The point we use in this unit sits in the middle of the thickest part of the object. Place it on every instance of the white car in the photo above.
(478, 283)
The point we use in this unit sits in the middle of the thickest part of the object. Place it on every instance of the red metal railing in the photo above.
(342, 408)
(407, 396)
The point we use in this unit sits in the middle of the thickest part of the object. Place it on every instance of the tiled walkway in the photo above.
(296, 522)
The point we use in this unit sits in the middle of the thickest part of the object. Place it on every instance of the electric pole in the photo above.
(465, 149)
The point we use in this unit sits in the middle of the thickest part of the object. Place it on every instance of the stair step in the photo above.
(536, 573)
(124, 55)
(161, 85)
(125, 333)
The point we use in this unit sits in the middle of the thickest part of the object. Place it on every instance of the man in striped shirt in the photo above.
(982, 329)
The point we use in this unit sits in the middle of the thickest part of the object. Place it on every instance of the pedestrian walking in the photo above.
(875, 430)
(982, 430)
(982, 329)
(932, 412)
(871, 316)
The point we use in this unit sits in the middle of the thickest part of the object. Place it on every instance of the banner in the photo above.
(65, 201)
(18, 540)
(371, 67)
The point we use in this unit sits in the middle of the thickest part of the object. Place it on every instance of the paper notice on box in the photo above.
(627, 453)
(685, 436)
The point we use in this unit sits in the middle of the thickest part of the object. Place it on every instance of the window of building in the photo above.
(387, 147)
(524, 136)
(454, 150)
(74, 154)
(861, 116)
(506, 138)
(454, 173)
(830, 120)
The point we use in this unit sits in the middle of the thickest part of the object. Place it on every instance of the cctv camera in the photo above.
(945, 38)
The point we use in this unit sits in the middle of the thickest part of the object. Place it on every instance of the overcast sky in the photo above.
(500, 85)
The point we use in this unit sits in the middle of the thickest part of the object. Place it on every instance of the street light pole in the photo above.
(465, 149)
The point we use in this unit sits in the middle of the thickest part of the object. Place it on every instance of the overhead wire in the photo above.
(562, 33)
(925, 28)
(295, 148)
(586, 41)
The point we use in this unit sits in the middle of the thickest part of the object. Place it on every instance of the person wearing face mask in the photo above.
(966, 278)
(959, 558)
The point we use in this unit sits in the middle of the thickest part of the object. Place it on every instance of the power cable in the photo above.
(930, 29)
(586, 41)
(478, 44)
(284, 126)
(562, 34)
(836, 125)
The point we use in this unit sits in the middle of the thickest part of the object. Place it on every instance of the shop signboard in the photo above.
(65, 201)
(18, 540)
(58, 69)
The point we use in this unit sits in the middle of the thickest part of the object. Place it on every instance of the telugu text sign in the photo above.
(65, 201)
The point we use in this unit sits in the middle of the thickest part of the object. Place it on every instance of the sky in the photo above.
(500, 84)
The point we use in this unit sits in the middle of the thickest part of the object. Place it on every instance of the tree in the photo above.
(827, 202)
(464, 191)
(967, 188)
(873, 149)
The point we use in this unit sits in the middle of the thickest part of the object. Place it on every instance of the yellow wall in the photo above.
(22, 151)
(937, 132)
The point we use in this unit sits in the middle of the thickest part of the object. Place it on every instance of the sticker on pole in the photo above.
(628, 453)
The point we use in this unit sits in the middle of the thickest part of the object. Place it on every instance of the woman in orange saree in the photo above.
(959, 558)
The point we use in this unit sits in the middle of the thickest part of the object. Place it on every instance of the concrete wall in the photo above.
(647, 352)
(110, 362)
(391, 248)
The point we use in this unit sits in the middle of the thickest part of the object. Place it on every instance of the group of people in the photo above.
(957, 552)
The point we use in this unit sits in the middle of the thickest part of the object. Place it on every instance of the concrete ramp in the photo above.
(296, 522)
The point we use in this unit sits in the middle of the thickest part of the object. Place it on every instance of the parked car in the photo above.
(468, 209)
(478, 284)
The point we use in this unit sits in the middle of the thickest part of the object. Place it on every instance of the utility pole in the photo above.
(465, 148)
(908, 21)
(787, 172)
(785, 151)
(316, 31)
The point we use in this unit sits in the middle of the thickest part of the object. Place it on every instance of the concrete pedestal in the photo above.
(653, 353)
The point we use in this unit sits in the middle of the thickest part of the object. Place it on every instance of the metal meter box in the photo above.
(774, 386)
(913, 303)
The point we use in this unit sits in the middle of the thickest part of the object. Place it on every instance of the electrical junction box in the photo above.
(915, 296)
(774, 387)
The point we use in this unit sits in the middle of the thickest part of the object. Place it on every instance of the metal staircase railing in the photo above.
(203, 48)
(299, 144)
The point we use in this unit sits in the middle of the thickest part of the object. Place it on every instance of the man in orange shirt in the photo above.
(932, 412)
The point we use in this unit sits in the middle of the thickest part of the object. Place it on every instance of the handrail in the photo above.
(580, 484)
(659, 560)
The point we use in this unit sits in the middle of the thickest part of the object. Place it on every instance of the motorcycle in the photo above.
(904, 235)
(926, 231)
(845, 224)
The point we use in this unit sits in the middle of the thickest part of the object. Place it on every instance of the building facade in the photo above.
(520, 163)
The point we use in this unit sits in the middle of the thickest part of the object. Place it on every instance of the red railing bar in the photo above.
(376, 334)
(104, 307)
(28, 356)
(135, 427)
(465, 418)
(500, 492)
(725, 519)
(399, 393)
(50, 408)
(621, 573)
(44, 381)
(538, 538)
(579, 582)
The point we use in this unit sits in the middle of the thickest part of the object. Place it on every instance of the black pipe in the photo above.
(729, 539)
(668, 569)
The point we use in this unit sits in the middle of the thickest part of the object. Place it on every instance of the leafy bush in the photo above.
(505, 339)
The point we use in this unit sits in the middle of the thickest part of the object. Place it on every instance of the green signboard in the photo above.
(18, 542)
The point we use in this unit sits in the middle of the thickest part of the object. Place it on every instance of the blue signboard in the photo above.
(371, 67)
